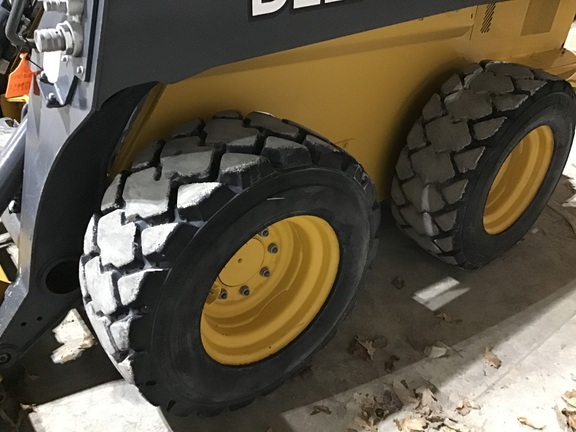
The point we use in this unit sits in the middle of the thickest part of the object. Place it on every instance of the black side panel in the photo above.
(167, 41)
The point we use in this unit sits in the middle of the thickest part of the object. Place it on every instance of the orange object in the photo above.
(20, 79)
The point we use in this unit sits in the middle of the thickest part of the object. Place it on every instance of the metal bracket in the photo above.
(60, 93)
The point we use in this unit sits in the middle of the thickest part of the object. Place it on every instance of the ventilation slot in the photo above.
(487, 23)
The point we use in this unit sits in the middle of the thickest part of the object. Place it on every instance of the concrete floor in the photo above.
(523, 305)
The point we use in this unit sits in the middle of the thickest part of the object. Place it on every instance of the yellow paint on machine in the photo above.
(270, 290)
(364, 91)
(519, 180)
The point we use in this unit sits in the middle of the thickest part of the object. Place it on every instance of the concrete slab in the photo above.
(517, 305)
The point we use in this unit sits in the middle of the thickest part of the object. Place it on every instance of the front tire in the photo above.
(183, 273)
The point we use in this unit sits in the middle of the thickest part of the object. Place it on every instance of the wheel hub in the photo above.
(244, 264)
(274, 286)
(518, 180)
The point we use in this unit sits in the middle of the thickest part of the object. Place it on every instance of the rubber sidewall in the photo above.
(553, 110)
(176, 348)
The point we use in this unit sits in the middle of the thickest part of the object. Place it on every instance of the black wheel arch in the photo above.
(68, 152)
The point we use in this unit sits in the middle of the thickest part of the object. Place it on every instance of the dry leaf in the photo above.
(448, 318)
(430, 385)
(366, 422)
(463, 410)
(389, 402)
(398, 282)
(570, 418)
(389, 365)
(438, 350)
(530, 422)
(404, 393)
(428, 403)
(570, 398)
(320, 408)
(375, 409)
(368, 345)
(411, 424)
(492, 359)
(465, 406)
(364, 348)
(434, 421)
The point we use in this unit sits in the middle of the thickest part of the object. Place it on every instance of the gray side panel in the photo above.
(167, 41)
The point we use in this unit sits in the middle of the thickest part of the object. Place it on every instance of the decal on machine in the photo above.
(266, 7)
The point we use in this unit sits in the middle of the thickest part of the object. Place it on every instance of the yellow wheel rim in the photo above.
(518, 180)
(270, 290)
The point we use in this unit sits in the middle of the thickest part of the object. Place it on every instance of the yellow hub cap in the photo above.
(518, 180)
(270, 290)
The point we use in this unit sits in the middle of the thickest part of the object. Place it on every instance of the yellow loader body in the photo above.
(364, 91)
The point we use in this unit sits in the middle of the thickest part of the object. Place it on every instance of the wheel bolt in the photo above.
(245, 291)
(264, 232)
(223, 294)
(265, 272)
(273, 248)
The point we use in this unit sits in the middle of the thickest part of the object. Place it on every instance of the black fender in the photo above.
(67, 155)
(203, 34)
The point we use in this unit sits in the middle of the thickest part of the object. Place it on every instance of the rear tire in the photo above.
(170, 225)
(446, 194)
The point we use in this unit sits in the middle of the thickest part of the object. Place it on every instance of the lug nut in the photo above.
(273, 248)
(265, 272)
(223, 294)
(264, 233)
(245, 291)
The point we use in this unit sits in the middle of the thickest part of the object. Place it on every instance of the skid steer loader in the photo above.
(216, 247)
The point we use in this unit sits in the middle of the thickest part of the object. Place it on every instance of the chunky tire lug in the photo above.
(150, 214)
(463, 133)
